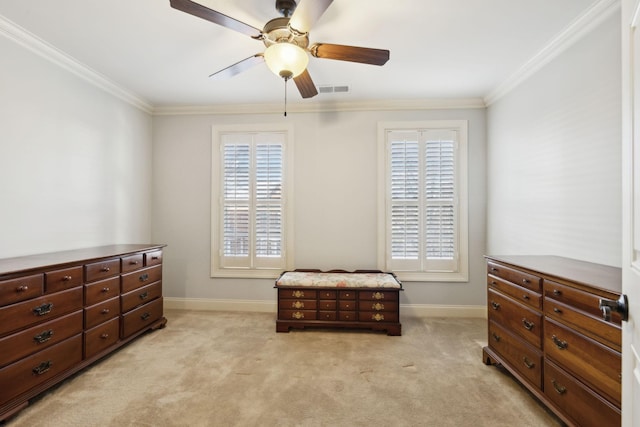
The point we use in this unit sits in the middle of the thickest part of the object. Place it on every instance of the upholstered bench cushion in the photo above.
(338, 280)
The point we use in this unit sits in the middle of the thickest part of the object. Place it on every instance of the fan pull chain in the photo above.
(285, 96)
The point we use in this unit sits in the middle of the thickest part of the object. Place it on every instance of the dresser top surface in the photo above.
(598, 276)
(22, 264)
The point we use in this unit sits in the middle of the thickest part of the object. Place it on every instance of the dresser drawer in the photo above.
(607, 333)
(516, 317)
(520, 355)
(378, 295)
(141, 317)
(327, 305)
(102, 269)
(520, 278)
(596, 364)
(101, 312)
(584, 301)
(327, 315)
(577, 401)
(39, 337)
(131, 263)
(20, 289)
(297, 293)
(140, 278)
(101, 291)
(101, 337)
(42, 309)
(299, 304)
(390, 306)
(347, 316)
(377, 316)
(523, 295)
(347, 294)
(153, 258)
(39, 367)
(347, 305)
(298, 315)
(140, 296)
(62, 279)
(325, 294)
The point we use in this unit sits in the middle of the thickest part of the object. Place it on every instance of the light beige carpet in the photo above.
(233, 369)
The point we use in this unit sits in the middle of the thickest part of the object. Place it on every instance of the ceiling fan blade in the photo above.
(211, 15)
(307, 13)
(364, 55)
(305, 85)
(238, 67)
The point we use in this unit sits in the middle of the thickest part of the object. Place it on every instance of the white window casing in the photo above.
(422, 209)
(251, 221)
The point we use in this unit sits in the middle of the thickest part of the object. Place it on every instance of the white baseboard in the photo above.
(410, 310)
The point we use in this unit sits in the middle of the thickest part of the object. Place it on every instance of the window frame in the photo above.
(217, 205)
(461, 273)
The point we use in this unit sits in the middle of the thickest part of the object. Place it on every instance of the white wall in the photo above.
(335, 198)
(554, 147)
(75, 162)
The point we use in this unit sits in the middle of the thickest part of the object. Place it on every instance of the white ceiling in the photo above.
(440, 49)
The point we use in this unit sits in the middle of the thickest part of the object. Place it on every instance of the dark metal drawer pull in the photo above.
(562, 345)
(144, 277)
(105, 311)
(42, 368)
(105, 269)
(525, 281)
(495, 305)
(155, 257)
(22, 288)
(104, 336)
(105, 290)
(43, 309)
(527, 325)
(143, 296)
(43, 336)
(528, 364)
(557, 292)
(525, 297)
(134, 262)
(557, 310)
(496, 336)
(560, 389)
(145, 316)
(67, 278)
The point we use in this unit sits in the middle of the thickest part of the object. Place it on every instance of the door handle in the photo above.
(620, 306)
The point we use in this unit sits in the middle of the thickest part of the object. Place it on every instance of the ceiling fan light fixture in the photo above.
(286, 60)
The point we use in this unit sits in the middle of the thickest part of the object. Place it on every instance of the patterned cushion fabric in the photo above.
(338, 280)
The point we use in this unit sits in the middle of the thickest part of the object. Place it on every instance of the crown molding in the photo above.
(317, 107)
(40, 47)
(581, 26)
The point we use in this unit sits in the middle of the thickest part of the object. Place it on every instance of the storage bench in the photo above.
(364, 299)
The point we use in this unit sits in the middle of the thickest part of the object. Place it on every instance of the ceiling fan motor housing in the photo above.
(278, 31)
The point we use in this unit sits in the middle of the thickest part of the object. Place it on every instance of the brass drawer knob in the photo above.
(527, 363)
(22, 288)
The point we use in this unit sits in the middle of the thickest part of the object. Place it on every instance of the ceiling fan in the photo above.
(287, 41)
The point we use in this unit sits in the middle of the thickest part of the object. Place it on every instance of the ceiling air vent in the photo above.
(333, 89)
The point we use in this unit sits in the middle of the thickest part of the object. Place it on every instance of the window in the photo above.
(250, 215)
(423, 204)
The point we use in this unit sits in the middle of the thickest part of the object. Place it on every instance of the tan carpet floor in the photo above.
(233, 369)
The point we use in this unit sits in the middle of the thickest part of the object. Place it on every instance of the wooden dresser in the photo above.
(546, 327)
(365, 299)
(60, 312)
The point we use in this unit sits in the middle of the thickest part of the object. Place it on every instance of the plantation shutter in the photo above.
(252, 204)
(421, 212)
